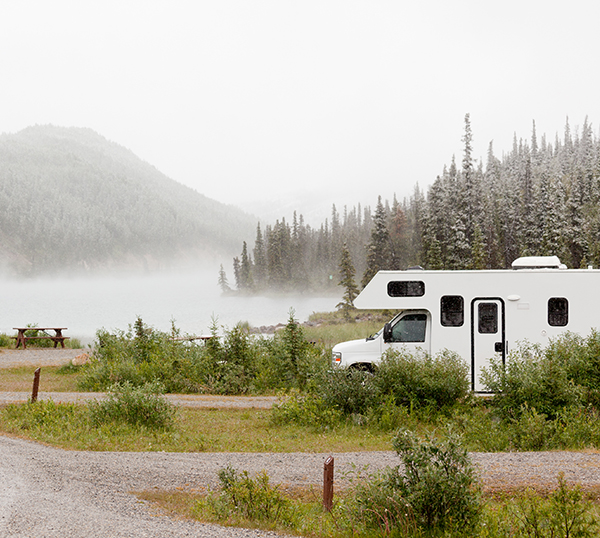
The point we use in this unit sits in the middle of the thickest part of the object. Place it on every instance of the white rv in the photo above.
(478, 314)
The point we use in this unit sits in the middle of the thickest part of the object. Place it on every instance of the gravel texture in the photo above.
(9, 358)
(47, 492)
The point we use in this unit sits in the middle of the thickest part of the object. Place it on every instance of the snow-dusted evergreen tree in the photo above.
(540, 198)
(245, 271)
(260, 261)
(378, 249)
(347, 273)
(223, 282)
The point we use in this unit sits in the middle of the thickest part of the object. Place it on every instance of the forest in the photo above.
(72, 200)
(540, 198)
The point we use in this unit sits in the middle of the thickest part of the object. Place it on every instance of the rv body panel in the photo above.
(485, 314)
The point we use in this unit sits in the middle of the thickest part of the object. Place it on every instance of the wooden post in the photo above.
(328, 484)
(36, 385)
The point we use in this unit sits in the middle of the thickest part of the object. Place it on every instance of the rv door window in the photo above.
(410, 328)
(488, 318)
(452, 311)
(406, 288)
(558, 311)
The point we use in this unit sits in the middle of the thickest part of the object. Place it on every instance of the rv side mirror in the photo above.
(387, 332)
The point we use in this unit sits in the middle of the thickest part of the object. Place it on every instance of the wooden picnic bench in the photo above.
(57, 338)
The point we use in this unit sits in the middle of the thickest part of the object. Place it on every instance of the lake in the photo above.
(191, 299)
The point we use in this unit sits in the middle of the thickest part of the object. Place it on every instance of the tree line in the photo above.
(540, 198)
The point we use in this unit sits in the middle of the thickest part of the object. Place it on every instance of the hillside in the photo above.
(70, 199)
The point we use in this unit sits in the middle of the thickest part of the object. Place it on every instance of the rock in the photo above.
(84, 358)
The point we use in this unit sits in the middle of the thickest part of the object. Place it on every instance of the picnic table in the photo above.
(57, 337)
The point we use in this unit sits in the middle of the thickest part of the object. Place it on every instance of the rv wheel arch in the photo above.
(363, 367)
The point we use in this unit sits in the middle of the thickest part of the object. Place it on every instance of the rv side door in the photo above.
(488, 335)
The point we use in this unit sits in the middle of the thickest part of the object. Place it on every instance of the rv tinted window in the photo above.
(488, 318)
(406, 288)
(410, 328)
(452, 311)
(558, 311)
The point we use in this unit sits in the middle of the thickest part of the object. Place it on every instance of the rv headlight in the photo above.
(336, 357)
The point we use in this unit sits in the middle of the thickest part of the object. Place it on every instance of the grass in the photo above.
(196, 430)
(52, 379)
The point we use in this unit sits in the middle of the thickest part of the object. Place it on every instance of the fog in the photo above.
(190, 298)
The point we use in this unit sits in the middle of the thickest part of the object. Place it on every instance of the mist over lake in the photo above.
(190, 298)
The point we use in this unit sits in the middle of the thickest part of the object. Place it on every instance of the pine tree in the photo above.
(260, 261)
(245, 270)
(223, 282)
(347, 273)
(378, 249)
(236, 272)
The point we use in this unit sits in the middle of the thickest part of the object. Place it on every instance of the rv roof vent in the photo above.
(537, 262)
(414, 268)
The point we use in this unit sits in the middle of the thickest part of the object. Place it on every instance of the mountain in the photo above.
(72, 200)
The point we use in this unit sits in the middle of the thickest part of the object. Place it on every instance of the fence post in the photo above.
(36, 385)
(328, 484)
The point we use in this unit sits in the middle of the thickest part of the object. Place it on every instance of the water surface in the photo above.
(191, 299)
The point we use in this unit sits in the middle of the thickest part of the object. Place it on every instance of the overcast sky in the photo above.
(335, 101)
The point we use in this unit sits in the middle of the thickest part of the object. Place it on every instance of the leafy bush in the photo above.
(347, 390)
(304, 410)
(420, 380)
(564, 513)
(435, 490)
(580, 357)
(237, 363)
(5, 340)
(291, 361)
(530, 380)
(251, 498)
(142, 355)
(138, 406)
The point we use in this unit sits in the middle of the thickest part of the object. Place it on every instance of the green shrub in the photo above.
(305, 410)
(434, 490)
(565, 513)
(5, 340)
(290, 360)
(419, 380)
(580, 357)
(254, 499)
(350, 391)
(237, 363)
(530, 380)
(138, 406)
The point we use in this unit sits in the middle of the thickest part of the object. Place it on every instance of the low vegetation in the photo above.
(545, 398)
(434, 493)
